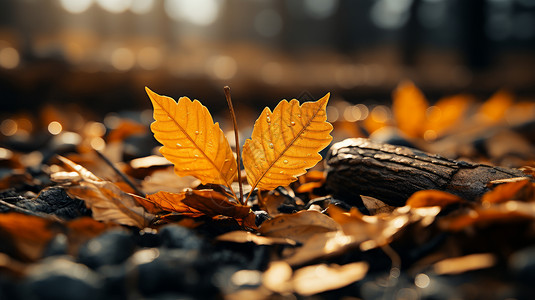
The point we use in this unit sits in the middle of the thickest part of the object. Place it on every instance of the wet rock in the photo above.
(171, 270)
(260, 217)
(112, 247)
(175, 236)
(58, 245)
(60, 278)
(522, 263)
(148, 237)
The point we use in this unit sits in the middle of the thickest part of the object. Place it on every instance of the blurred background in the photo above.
(96, 56)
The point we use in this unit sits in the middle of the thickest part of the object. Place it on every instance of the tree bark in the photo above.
(392, 173)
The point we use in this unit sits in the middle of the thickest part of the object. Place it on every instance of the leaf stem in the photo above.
(238, 151)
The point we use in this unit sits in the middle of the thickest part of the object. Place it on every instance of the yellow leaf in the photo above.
(285, 143)
(191, 140)
(409, 107)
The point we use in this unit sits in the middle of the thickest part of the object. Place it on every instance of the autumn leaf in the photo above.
(195, 203)
(427, 198)
(409, 107)
(241, 236)
(105, 199)
(286, 142)
(299, 226)
(28, 234)
(191, 141)
(520, 189)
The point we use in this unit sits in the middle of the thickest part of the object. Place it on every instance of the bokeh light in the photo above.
(76, 6)
(122, 59)
(9, 58)
(114, 6)
(197, 12)
(141, 6)
(55, 127)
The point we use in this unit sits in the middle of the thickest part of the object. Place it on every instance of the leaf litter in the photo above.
(284, 236)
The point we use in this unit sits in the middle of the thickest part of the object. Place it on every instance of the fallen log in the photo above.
(393, 173)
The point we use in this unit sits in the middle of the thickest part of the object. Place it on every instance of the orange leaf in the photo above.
(409, 107)
(196, 203)
(516, 190)
(447, 112)
(191, 140)
(125, 129)
(432, 198)
(29, 234)
(286, 142)
(493, 110)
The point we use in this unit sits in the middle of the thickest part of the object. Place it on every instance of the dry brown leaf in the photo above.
(320, 278)
(429, 198)
(191, 140)
(166, 180)
(311, 280)
(248, 237)
(409, 108)
(323, 245)
(458, 265)
(299, 226)
(286, 142)
(196, 203)
(278, 277)
(106, 200)
(28, 234)
(378, 230)
(510, 211)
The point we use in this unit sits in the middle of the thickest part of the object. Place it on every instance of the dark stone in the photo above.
(175, 236)
(174, 270)
(59, 278)
(112, 247)
(58, 245)
(260, 217)
(148, 238)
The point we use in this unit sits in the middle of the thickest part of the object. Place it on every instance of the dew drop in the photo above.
(299, 115)
(196, 131)
(268, 119)
(196, 155)
(292, 123)
(226, 159)
(281, 172)
(179, 145)
(271, 145)
(285, 161)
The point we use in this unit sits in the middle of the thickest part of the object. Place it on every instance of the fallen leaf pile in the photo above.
(79, 220)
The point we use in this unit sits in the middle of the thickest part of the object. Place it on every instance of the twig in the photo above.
(238, 152)
(121, 174)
